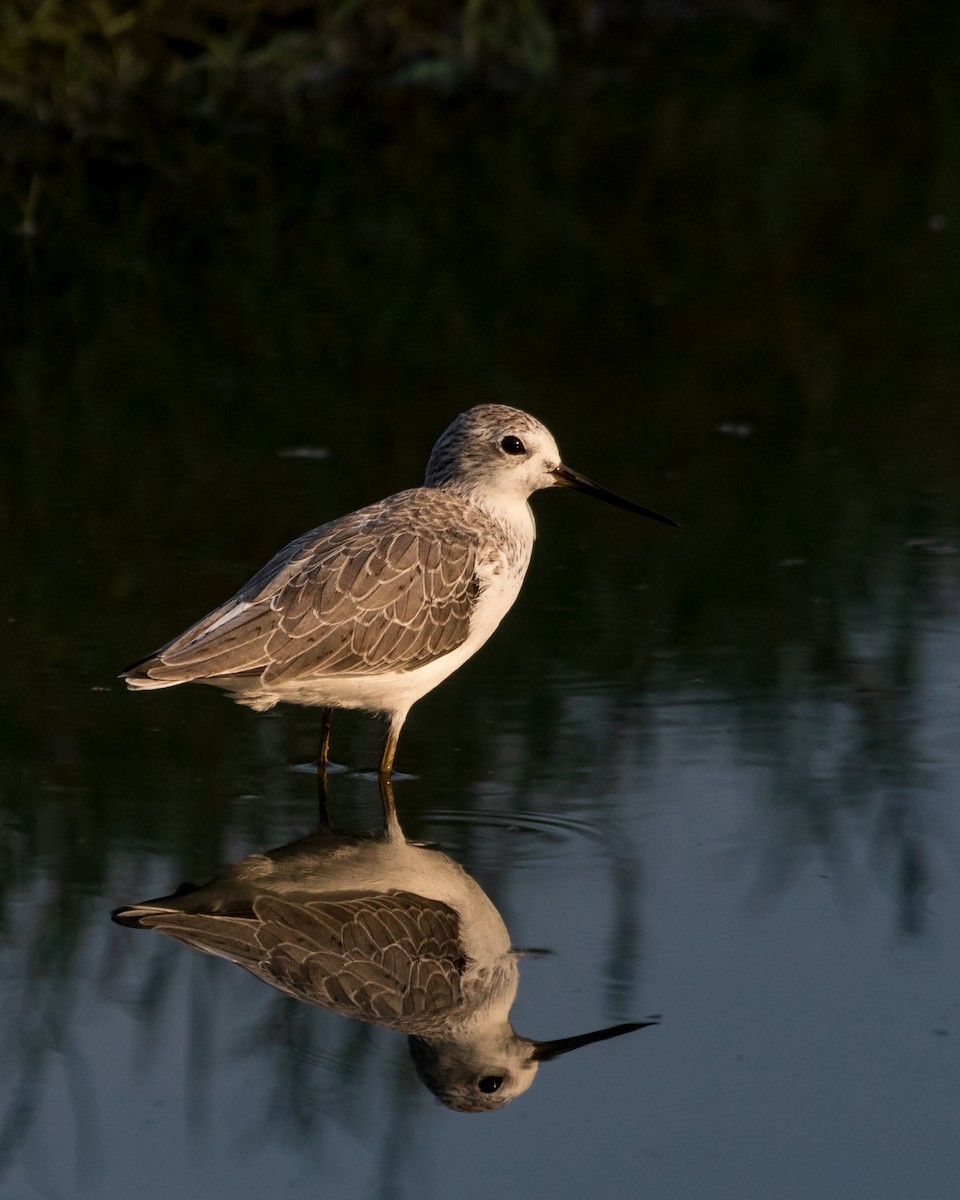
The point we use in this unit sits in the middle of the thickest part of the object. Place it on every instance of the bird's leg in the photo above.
(390, 745)
(386, 758)
(326, 715)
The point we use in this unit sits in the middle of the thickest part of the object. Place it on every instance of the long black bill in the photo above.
(544, 1051)
(567, 477)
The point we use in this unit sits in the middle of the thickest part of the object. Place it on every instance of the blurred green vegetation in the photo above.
(97, 66)
(73, 62)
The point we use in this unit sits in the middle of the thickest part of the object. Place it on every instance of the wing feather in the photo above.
(380, 957)
(389, 957)
(388, 588)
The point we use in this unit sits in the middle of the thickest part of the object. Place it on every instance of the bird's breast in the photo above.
(500, 572)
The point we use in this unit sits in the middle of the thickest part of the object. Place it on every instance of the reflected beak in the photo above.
(545, 1051)
(566, 477)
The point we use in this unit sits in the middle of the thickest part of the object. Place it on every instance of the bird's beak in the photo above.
(567, 477)
(544, 1051)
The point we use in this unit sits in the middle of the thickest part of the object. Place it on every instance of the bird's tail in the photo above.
(138, 682)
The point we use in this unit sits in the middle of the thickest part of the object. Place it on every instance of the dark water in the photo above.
(711, 772)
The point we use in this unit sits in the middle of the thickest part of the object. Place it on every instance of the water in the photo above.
(710, 772)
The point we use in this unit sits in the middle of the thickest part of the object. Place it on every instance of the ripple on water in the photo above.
(310, 768)
(550, 827)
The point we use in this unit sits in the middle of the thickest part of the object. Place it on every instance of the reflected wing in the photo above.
(383, 958)
(388, 588)
(389, 958)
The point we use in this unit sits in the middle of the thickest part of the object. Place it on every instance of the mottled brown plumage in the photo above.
(388, 588)
(391, 958)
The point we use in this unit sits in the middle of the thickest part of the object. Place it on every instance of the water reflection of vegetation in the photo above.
(850, 771)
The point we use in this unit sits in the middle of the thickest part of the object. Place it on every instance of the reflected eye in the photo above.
(513, 445)
(490, 1083)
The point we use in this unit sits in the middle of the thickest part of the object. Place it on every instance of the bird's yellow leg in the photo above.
(389, 750)
(323, 757)
(390, 745)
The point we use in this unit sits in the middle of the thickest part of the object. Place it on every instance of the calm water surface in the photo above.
(709, 773)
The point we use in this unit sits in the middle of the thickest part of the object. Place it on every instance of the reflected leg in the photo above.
(391, 822)
(323, 813)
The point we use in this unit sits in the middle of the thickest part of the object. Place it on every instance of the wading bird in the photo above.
(373, 610)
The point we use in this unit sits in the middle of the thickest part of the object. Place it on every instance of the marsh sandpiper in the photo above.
(373, 610)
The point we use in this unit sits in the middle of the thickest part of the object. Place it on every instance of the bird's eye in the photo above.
(513, 445)
(490, 1083)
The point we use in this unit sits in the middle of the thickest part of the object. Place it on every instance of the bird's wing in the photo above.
(391, 958)
(388, 588)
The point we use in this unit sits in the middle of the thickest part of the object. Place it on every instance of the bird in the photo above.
(373, 610)
(382, 930)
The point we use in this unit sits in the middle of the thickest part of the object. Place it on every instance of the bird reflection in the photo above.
(382, 930)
